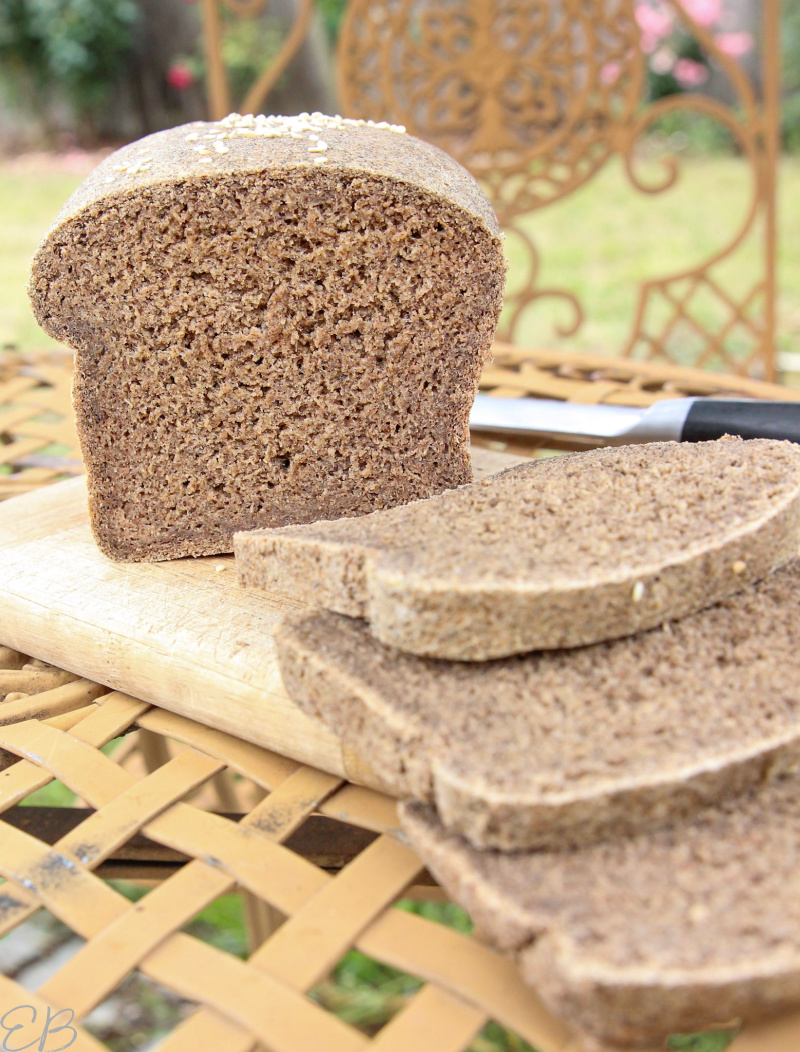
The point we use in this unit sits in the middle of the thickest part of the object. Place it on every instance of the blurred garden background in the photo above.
(80, 77)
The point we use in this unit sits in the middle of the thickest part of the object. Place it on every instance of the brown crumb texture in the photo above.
(671, 931)
(556, 553)
(276, 322)
(567, 746)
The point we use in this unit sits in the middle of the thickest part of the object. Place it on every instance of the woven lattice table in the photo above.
(60, 734)
(38, 443)
(199, 813)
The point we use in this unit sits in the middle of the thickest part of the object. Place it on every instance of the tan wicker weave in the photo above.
(320, 855)
(38, 443)
(60, 729)
(36, 414)
(593, 378)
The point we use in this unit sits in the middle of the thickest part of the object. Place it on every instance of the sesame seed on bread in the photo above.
(276, 320)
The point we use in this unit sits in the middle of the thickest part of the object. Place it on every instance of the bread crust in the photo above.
(629, 941)
(271, 327)
(567, 747)
(558, 553)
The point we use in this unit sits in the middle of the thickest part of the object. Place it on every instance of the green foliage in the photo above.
(222, 925)
(495, 1038)
(366, 993)
(332, 12)
(249, 46)
(446, 913)
(54, 794)
(73, 47)
(710, 1041)
(660, 85)
(132, 892)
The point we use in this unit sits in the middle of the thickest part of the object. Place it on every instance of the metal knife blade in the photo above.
(672, 419)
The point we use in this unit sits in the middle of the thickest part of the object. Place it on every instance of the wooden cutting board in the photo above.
(181, 634)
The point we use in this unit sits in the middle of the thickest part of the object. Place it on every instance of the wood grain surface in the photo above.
(181, 634)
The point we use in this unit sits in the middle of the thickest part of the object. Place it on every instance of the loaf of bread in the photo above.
(555, 553)
(277, 320)
(567, 746)
(672, 931)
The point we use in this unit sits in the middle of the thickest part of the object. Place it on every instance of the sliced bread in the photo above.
(567, 746)
(556, 553)
(631, 940)
(277, 320)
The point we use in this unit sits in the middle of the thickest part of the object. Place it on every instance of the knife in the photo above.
(672, 419)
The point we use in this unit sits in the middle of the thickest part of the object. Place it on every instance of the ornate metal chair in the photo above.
(535, 98)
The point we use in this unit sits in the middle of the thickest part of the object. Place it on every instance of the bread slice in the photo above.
(556, 553)
(277, 320)
(567, 746)
(677, 930)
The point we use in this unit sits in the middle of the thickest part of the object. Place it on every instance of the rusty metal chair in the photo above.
(535, 99)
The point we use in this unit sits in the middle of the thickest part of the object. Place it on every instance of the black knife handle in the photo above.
(711, 418)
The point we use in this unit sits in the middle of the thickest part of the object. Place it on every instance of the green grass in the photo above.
(28, 205)
(602, 241)
(712, 1041)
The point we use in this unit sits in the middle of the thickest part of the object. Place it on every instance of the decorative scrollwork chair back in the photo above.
(534, 97)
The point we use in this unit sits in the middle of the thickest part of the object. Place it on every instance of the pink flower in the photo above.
(689, 74)
(180, 77)
(663, 60)
(655, 24)
(704, 12)
(610, 72)
(734, 44)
